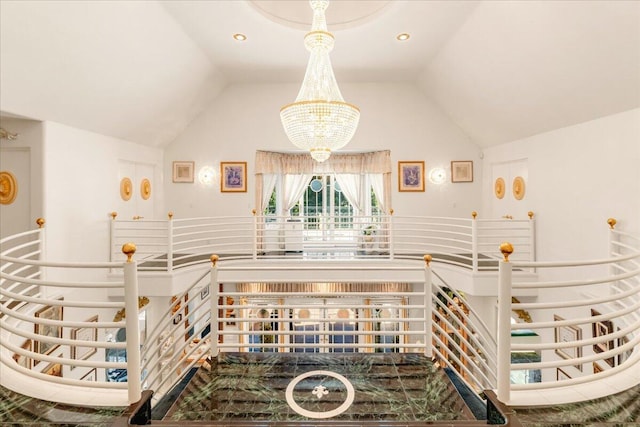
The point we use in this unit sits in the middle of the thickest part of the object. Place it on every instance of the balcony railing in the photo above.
(599, 326)
(165, 245)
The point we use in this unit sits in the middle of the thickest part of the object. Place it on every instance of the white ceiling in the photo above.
(142, 70)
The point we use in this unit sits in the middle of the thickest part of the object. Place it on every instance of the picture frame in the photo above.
(53, 369)
(623, 355)
(562, 375)
(49, 312)
(567, 334)
(411, 176)
(21, 360)
(92, 375)
(204, 293)
(597, 368)
(462, 171)
(233, 177)
(183, 171)
(600, 329)
(84, 334)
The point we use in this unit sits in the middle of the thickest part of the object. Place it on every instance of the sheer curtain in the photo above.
(351, 185)
(294, 188)
(296, 169)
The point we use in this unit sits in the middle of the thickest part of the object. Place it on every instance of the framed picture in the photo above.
(411, 176)
(90, 376)
(600, 329)
(84, 334)
(53, 312)
(562, 375)
(233, 177)
(567, 334)
(204, 292)
(462, 171)
(624, 355)
(21, 360)
(183, 171)
(53, 369)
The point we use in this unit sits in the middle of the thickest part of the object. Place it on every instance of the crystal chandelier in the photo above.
(319, 121)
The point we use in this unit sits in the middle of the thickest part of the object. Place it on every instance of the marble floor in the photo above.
(296, 386)
(252, 386)
(19, 410)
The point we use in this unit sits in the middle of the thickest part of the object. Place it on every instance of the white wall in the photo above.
(245, 118)
(82, 185)
(23, 158)
(578, 177)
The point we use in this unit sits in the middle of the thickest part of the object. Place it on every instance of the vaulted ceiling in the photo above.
(142, 70)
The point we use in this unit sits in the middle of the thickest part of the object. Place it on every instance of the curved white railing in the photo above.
(589, 328)
(438, 320)
(61, 340)
(164, 245)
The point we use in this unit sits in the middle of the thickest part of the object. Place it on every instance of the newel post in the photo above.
(213, 302)
(134, 383)
(504, 324)
(170, 241)
(256, 238)
(428, 307)
(474, 242)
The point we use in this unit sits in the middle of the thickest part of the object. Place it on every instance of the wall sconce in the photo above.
(438, 175)
(207, 175)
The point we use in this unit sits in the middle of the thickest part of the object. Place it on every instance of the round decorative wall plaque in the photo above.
(126, 189)
(498, 188)
(518, 188)
(8, 188)
(145, 189)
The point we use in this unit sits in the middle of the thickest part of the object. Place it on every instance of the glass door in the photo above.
(324, 324)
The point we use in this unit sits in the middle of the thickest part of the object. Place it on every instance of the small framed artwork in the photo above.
(233, 177)
(177, 319)
(567, 334)
(204, 293)
(53, 369)
(623, 355)
(183, 171)
(411, 176)
(600, 329)
(462, 171)
(52, 312)
(562, 375)
(90, 376)
(21, 360)
(84, 334)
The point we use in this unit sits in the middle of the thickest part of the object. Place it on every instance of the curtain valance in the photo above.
(375, 162)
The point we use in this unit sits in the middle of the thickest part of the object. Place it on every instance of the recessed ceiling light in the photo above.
(239, 37)
(402, 37)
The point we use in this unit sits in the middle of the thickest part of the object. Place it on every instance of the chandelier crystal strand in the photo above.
(319, 121)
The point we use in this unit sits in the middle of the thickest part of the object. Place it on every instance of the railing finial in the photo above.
(474, 214)
(530, 214)
(170, 215)
(612, 223)
(113, 215)
(507, 249)
(40, 222)
(129, 249)
(391, 211)
(253, 211)
(427, 259)
(214, 259)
